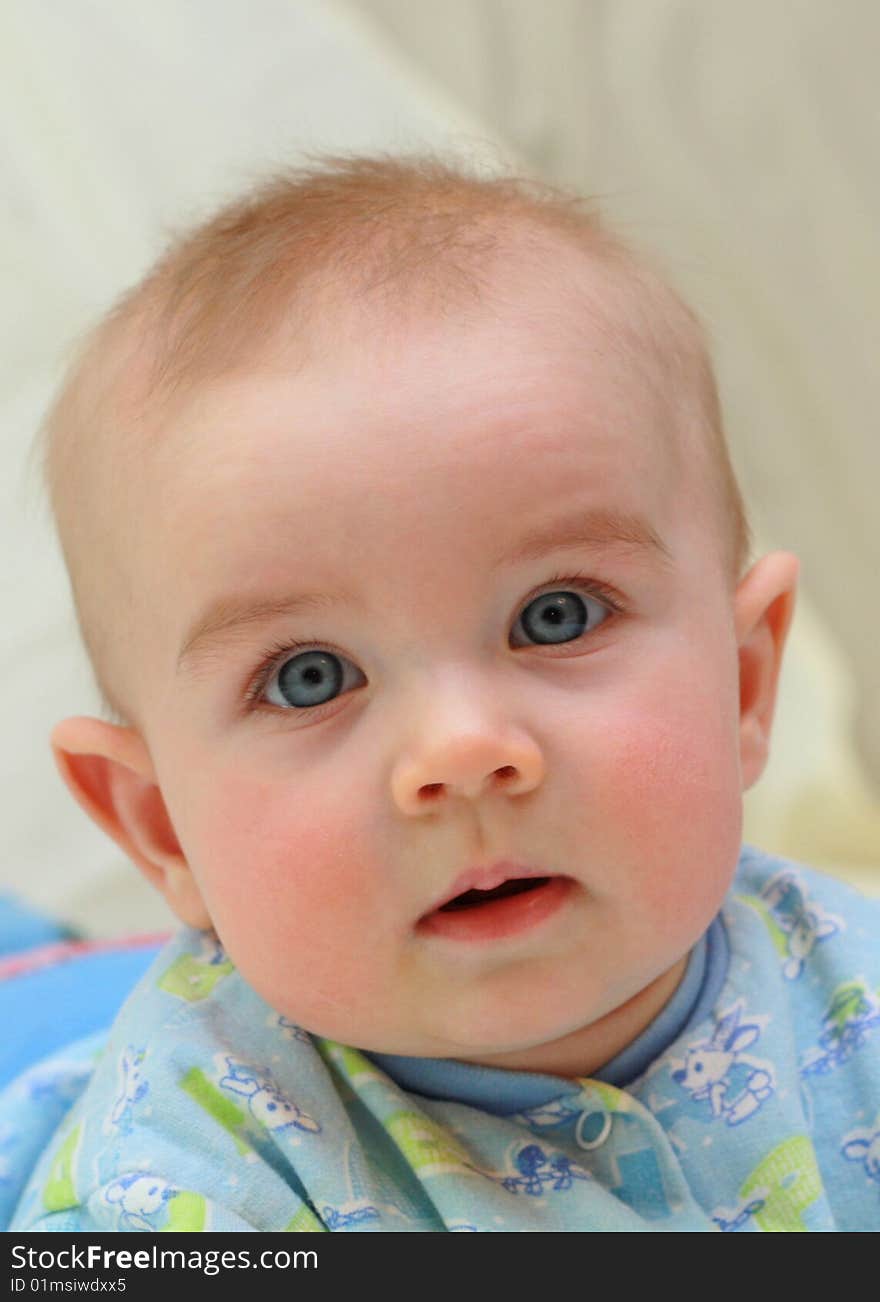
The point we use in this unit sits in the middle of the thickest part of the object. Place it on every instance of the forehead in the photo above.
(413, 444)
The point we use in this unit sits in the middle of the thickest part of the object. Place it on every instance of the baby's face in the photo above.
(443, 609)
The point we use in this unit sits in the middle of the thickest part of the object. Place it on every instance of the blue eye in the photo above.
(308, 679)
(561, 617)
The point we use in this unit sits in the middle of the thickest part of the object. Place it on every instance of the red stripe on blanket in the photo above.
(62, 951)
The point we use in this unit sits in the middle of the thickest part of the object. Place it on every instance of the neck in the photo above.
(586, 1050)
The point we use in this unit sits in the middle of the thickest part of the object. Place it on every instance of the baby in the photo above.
(414, 573)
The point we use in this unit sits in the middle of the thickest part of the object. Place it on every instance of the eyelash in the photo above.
(271, 658)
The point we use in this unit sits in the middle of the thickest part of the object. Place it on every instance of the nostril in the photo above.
(431, 791)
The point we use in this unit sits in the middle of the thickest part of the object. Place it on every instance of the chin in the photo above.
(529, 1035)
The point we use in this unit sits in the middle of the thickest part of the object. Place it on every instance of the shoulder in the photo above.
(791, 890)
(819, 927)
(183, 1096)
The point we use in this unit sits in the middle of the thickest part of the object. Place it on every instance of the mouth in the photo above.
(475, 899)
(509, 901)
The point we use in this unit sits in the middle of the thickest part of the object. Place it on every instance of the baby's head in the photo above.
(409, 557)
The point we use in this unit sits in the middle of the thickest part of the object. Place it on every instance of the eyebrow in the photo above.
(590, 530)
(230, 617)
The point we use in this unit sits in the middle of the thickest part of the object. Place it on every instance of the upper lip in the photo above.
(485, 877)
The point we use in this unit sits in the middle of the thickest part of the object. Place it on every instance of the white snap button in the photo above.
(592, 1129)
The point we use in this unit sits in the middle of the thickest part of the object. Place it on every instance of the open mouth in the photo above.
(513, 906)
(474, 899)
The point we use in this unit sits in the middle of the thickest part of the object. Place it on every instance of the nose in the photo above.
(470, 762)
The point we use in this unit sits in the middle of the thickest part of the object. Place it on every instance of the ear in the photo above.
(763, 607)
(109, 771)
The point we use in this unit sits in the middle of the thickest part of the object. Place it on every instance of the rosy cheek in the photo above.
(284, 867)
(292, 887)
(668, 793)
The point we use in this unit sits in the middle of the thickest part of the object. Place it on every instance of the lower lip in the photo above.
(499, 918)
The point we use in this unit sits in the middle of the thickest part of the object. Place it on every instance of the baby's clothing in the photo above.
(751, 1103)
